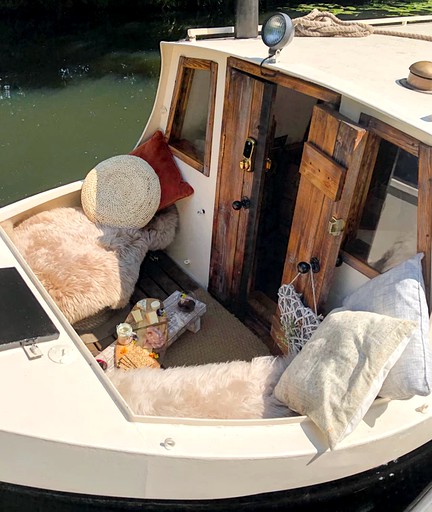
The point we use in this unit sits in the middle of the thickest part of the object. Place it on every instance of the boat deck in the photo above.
(159, 277)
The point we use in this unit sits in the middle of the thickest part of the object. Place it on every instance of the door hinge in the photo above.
(336, 226)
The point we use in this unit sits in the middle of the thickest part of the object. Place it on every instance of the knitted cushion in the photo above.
(122, 191)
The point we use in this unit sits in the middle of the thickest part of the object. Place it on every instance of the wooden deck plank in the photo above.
(147, 287)
(152, 269)
(183, 281)
(159, 276)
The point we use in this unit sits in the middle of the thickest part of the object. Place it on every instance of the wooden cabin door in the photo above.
(330, 169)
(247, 113)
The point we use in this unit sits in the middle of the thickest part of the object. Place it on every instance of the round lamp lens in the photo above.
(277, 31)
(274, 30)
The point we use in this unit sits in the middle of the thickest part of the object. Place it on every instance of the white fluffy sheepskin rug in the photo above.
(87, 267)
(233, 390)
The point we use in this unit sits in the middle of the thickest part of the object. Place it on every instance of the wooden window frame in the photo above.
(296, 84)
(379, 130)
(182, 87)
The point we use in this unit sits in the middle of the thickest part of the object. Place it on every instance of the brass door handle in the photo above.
(246, 161)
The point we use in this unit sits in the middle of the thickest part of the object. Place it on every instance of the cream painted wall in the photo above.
(191, 249)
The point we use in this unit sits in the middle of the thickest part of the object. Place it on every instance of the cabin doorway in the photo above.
(289, 163)
(250, 243)
(301, 195)
(291, 116)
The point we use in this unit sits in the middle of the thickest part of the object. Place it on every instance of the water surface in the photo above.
(55, 135)
(73, 96)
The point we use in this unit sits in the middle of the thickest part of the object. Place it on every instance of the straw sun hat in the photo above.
(122, 191)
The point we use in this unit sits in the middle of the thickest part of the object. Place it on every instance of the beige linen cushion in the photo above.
(339, 372)
(399, 292)
(122, 191)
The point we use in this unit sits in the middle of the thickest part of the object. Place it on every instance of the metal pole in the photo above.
(246, 25)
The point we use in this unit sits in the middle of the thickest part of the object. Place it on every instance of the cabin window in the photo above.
(190, 124)
(386, 232)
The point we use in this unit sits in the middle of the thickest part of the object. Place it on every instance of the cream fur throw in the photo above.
(87, 267)
(233, 390)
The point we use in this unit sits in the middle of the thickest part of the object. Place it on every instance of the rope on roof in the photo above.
(326, 24)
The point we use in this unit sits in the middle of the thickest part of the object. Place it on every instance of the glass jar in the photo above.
(124, 334)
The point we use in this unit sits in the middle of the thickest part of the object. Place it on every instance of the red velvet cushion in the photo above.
(157, 153)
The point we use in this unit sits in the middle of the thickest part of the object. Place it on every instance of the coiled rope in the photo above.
(326, 24)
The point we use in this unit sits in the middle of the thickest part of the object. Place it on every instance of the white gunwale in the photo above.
(72, 416)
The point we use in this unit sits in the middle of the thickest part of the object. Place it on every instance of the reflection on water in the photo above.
(61, 114)
(52, 136)
(73, 95)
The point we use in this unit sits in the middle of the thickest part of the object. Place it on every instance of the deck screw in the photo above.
(169, 443)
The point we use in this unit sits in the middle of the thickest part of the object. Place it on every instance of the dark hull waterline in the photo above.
(391, 487)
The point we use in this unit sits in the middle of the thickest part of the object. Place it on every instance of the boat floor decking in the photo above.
(159, 277)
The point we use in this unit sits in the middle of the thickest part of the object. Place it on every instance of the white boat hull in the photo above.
(68, 438)
(65, 428)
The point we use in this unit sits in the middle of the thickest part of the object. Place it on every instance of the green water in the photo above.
(71, 98)
(51, 136)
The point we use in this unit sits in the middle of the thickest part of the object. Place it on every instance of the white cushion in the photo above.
(399, 292)
(338, 373)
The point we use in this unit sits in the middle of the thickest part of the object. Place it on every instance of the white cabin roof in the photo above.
(365, 70)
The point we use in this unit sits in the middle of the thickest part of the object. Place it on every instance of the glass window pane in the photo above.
(387, 233)
(195, 119)
(189, 127)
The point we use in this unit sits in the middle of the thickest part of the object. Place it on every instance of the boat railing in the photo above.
(194, 33)
(401, 20)
(216, 32)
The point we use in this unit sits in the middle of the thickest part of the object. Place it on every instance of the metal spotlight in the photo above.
(277, 32)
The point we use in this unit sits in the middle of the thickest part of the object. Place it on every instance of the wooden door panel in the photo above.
(332, 138)
(248, 181)
(262, 130)
(323, 172)
(229, 186)
(242, 119)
